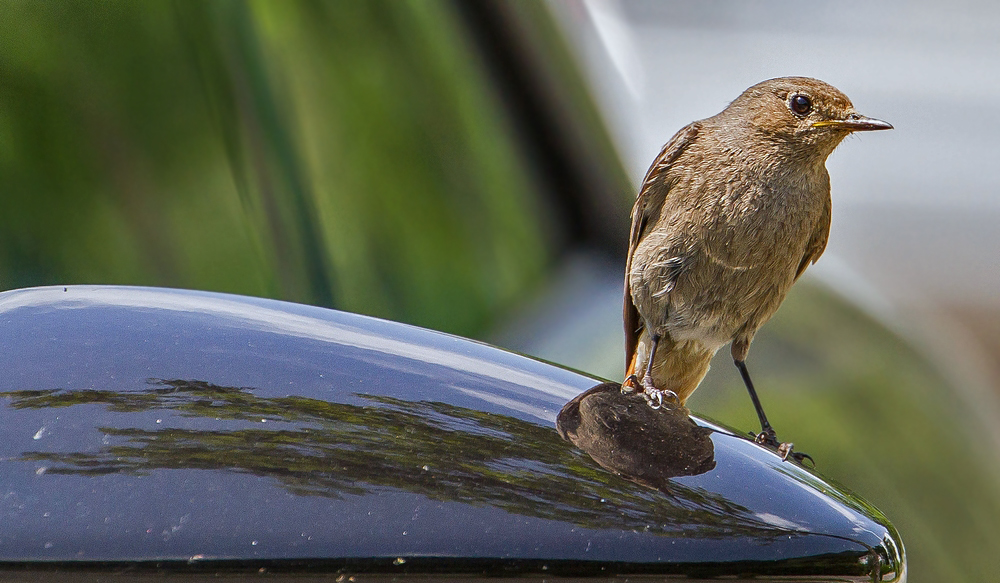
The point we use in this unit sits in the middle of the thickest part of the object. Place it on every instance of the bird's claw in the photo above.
(630, 384)
(785, 450)
(769, 438)
(800, 457)
(654, 397)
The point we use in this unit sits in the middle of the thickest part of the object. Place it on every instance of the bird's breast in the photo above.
(762, 221)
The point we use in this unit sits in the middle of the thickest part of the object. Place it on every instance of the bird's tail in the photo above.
(631, 365)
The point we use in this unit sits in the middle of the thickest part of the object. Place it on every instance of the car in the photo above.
(150, 431)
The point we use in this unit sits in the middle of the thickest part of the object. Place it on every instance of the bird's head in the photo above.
(800, 113)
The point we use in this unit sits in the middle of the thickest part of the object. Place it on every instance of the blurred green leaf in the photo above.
(348, 154)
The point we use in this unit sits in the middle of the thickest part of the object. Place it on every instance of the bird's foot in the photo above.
(655, 397)
(769, 438)
(799, 457)
(630, 384)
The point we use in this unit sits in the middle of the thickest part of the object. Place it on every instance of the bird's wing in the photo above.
(817, 243)
(654, 191)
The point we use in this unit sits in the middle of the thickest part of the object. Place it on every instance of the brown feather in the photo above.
(648, 204)
(817, 244)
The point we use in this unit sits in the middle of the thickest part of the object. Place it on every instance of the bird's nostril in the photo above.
(853, 116)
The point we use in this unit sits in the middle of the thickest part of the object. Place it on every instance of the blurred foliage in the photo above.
(876, 415)
(339, 153)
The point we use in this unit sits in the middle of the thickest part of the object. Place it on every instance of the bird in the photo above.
(730, 214)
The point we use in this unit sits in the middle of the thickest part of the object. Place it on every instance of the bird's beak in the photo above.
(854, 123)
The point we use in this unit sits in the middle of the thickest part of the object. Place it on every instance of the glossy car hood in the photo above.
(182, 430)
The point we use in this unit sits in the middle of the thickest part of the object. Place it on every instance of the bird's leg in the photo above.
(654, 397)
(767, 435)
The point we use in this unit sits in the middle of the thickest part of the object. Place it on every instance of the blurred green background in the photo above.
(432, 162)
(345, 154)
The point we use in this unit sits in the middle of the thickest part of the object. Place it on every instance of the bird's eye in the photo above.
(800, 104)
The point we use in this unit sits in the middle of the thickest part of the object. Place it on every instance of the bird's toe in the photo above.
(630, 384)
(655, 397)
(785, 449)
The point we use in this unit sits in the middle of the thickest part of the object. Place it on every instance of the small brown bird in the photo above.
(729, 215)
